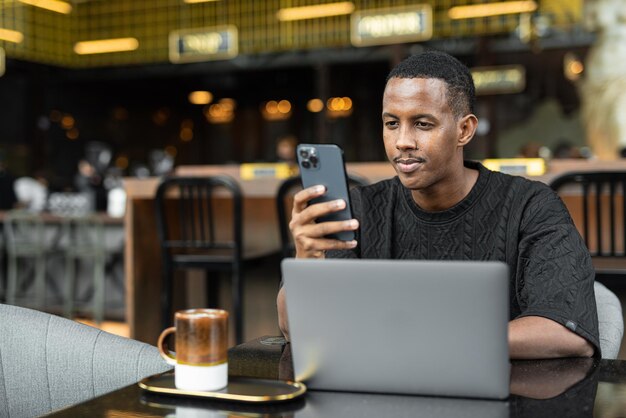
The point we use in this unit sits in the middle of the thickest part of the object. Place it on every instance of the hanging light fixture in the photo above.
(492, 9)
(103, 46)
(316, 11)
(11, 36)
(57, 6)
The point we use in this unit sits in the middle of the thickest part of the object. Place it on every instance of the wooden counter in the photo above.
(142, 253)
(143, 259)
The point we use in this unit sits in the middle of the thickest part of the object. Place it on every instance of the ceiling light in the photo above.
(200, 97)
(314, 12)
(284, 106)
(198, 1)
(492, 9)
(103, 46)
(52, 5)
(11, 35)
(315, 105)
(573, 67)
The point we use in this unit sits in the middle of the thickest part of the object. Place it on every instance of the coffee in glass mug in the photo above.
(201, 360)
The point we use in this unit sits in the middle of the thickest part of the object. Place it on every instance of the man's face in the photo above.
(420, 131)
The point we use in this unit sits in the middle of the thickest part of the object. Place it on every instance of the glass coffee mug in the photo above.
(201, 361)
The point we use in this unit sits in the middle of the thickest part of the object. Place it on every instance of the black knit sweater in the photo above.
(505, 218)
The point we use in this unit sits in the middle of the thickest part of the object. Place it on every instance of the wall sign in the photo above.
(499, 80)
(517, 166)
(204, 44)
(251, 171)
(391, 25)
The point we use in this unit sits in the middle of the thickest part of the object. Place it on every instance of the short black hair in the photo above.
(461, 93)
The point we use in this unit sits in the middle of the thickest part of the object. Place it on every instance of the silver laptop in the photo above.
(400, 326)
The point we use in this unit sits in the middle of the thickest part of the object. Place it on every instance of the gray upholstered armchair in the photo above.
(48, 362)
(610, 321)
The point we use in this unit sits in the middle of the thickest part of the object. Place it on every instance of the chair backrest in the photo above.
(187, 210)
(600, 214)
(49, 362)
(85, 234)
(24, 232)
(284, 202)
(610, 321)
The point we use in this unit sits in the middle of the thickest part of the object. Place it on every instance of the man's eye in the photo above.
(391, 124)
(422, 124)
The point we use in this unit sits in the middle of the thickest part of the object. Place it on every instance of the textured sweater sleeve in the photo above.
(555, 276)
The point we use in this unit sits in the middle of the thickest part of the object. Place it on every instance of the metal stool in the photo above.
(25, 240)
(86, 243)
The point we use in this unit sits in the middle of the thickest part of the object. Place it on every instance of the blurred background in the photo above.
(135, 87)
(101, 98)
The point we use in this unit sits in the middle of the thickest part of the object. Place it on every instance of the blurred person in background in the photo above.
(161, 163)
(286, 152)
(32, 192)
(286, 149)
(565, 149)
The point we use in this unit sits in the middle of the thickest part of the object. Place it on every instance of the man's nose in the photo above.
(406, 139)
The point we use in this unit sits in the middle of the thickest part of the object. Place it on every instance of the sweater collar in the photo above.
(459, 208)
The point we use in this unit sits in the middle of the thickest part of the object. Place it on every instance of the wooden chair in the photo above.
(284, 203)
(610, 321)
(193, 236)
(597, 205)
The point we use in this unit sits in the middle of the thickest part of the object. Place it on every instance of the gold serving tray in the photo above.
(239, 389)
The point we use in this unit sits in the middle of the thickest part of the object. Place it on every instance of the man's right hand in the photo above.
(309, 236)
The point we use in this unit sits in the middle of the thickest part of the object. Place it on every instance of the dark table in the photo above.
(546, 388)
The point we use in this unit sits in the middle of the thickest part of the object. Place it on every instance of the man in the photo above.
(442, 207)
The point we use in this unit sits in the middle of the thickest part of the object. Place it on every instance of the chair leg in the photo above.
(12, 280)
(166, 295)
(237, 296)
(99, 289)
(68, 287)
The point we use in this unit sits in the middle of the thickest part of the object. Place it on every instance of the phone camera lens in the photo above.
(304, 153)
(306, 164)
(313, 159)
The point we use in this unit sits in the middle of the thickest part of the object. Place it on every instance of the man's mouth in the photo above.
(408, 165)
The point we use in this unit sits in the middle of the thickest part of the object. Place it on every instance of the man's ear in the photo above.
(466, 128)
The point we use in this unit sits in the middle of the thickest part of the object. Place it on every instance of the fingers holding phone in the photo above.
(312, 237)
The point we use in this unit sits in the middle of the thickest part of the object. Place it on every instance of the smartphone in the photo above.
(324, 164)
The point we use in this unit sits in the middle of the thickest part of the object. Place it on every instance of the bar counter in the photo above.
(142, 253)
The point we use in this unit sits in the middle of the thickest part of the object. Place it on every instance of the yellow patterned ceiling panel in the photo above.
(49, 37)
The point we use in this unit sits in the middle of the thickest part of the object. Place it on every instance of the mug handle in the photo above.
(164, 351)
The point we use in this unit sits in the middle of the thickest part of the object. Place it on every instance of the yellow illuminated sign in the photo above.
(203, 44)
(499, 80)
(517, 166)
(2, 62)
(392, 25)
(251, 171)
